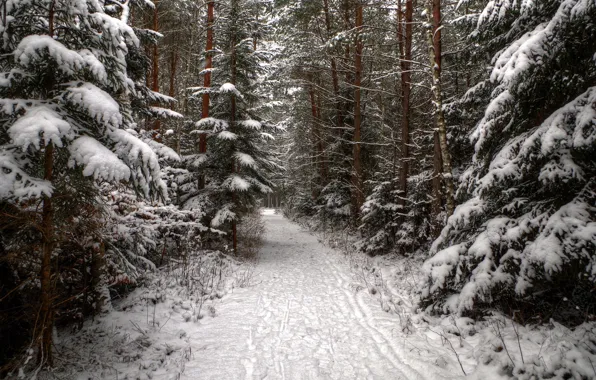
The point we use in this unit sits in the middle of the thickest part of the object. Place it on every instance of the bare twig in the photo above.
(452, 349)
(498, 333)
(521, 353)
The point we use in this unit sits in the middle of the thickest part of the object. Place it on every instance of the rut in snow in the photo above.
(301, 320)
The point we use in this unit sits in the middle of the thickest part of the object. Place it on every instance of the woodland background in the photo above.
(134, 133)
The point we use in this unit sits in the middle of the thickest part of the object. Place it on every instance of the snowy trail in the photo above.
(302, 320)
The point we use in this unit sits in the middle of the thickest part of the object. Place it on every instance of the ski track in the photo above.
(299, 321)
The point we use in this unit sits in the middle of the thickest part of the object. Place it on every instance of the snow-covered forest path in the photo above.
(302, 319)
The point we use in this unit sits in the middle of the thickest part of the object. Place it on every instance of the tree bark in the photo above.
(232, 125)
(405, 47)
(317, 135)
(207, 82)
(255, 39)
(96, 264)
(435, 67)
(47, 226)
(334, 74)
(173, 67)
(46, 317)
(357, 181)
(437, 159)
(155, 73)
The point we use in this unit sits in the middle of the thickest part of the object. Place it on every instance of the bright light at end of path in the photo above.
(267, 211)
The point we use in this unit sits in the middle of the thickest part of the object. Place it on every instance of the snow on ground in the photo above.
(305, 311)
(495, 347)
(302, 320)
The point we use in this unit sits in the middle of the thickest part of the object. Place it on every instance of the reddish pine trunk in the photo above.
(358, 192)
(437, 33)
(207, 81)
(434, 45)
(405, 44)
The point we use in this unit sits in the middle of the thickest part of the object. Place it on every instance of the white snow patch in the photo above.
(33, 48)
(39, 123)
(96, 102)
(99, 161)
(245, 159)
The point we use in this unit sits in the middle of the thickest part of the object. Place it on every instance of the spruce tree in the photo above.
(237, 164)
(67, 100)
(525, 230)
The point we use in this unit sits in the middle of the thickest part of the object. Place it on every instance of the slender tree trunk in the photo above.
(405, 47)
(347, 26)
(321, 141)
(322, 146)
(437, 156)
(313, 110)
(437, 203)
(438, 101)
(172, 92)
(47, 225)
(316, 134)
(46, 317)
(334, 74)
(232, 125)
(155, 73)
(207, 81)
(188, 65)
(357, 181)
(173, 67)
(97, 263)
(255, 38)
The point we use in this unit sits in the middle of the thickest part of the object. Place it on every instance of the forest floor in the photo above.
(304, 311)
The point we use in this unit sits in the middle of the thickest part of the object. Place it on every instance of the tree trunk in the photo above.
(255, 38)
(436, 183)
(334, 74)
(155, 73)
(97, 268)
(46, 312)
(435, 67)
(316, 134)
(358, 191)
(47, 225)
(321, 143)
(347, 26)
(232, 125)
(173, 67)
(405, 47)
(437, 159)
(207, 82)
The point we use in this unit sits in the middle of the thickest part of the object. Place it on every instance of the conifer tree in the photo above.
(526, 219)
(237, 164)
(67, 100)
